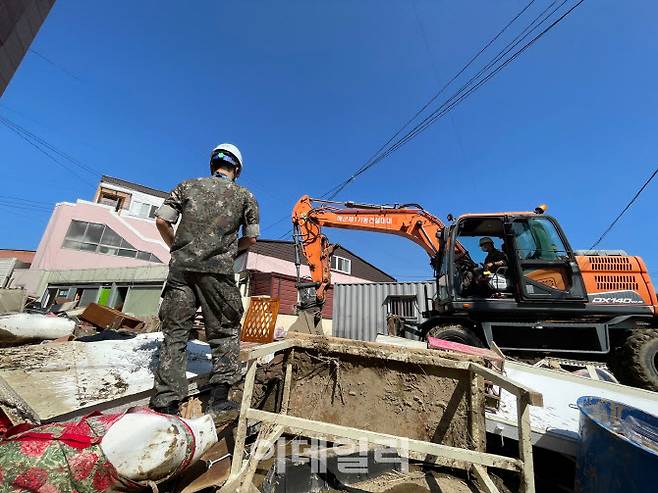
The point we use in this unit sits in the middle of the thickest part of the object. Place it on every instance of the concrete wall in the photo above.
(20, 21)
(30, 280)
(141, 233)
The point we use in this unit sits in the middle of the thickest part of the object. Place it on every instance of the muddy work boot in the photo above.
(220, 407)
(171, 408)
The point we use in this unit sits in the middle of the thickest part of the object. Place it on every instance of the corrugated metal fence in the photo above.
(360, 310)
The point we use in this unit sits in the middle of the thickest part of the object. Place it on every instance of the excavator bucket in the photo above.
(309, 321)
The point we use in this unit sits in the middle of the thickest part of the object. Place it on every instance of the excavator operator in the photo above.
(474, 280)
(495, 258)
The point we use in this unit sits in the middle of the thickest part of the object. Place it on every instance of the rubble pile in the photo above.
(413, 416)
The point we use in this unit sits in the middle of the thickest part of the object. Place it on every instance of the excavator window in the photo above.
(538, 239)
(542, 257)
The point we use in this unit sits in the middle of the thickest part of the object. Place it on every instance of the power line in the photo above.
(472, 85)
(56, 65)
(48, 150)
(612, 224)
(85, 167)
(21, 199)
(276, 223)
(464, 91)
(24, 206)
(27, 214)
(340, 186)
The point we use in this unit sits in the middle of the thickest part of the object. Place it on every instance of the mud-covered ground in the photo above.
(411, 400)
(414, 483)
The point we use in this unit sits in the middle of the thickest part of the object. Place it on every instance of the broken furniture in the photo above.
(109, 318)
(52, 382)
(492, 359)
(427, 404)
(554, 426)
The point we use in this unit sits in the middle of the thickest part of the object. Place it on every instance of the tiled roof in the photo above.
(25, 256)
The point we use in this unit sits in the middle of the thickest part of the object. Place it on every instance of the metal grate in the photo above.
(260, 320)
(610, 263)
(403, 306)
(611, 282)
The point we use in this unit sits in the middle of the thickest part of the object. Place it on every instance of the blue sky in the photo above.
(309, 90)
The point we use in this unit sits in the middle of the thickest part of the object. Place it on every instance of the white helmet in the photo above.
(234, 156)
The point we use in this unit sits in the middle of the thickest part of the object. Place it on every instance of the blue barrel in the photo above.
(618, 448)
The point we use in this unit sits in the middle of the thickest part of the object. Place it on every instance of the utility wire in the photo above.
(56, 65)
(612, 224)
(21, 199)
(466, 90)
(27, 214)
(463, 92)
(85, 167)
(24, 206)
(340, 186)
(48, 150)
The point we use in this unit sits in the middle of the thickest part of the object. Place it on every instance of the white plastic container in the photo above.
(150, 446)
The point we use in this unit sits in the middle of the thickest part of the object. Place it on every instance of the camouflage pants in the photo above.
(221, 304)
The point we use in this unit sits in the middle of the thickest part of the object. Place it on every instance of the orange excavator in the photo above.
(542, 298)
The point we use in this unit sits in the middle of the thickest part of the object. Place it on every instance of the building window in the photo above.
(341, 264)
(114, 198)
(111, 200)
(143, 209)
(402, 306)
(140, 209)
(98, 238)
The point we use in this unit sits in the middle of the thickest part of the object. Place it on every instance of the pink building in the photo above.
(116, 229)
(108, 250)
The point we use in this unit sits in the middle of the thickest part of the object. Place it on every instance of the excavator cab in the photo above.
(538, 263)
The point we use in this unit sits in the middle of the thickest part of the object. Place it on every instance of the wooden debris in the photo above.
(109, 318)
(191, 409)
(456, 457)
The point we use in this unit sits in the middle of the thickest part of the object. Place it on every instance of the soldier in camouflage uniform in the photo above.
(203, 250)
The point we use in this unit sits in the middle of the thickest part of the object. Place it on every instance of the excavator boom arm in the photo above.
(309, 216)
